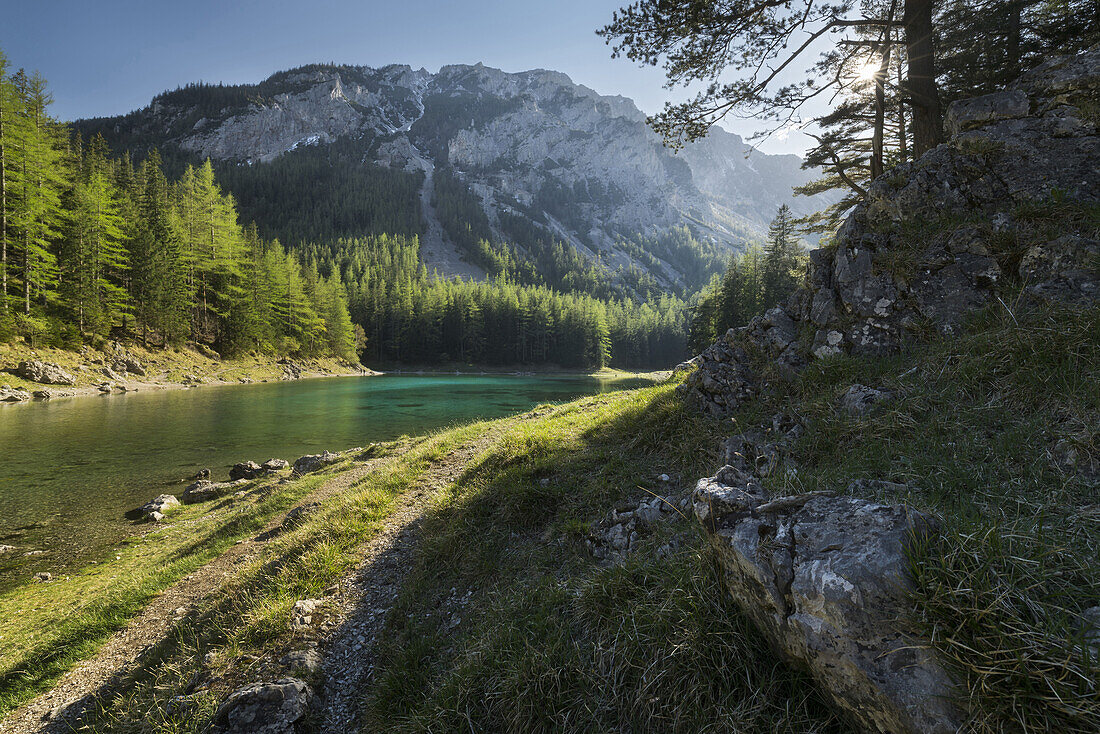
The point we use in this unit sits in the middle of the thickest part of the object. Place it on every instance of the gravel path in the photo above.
(59, 709)
(365, 597)
(356, 610)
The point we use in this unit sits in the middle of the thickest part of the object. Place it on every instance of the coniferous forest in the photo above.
(96, 244)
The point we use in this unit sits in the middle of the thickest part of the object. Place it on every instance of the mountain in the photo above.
(466, 154)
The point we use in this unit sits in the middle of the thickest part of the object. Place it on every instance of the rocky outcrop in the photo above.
(45, 373)
(265, 708)
(824, 578)
(291, 369)
(939, 238)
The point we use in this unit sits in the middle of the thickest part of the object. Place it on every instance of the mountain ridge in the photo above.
(540, 153)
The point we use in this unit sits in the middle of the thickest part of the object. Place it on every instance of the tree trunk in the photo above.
(903, 143)
(3, 212)
(1012, 50)
(921, 86)
(877, 163)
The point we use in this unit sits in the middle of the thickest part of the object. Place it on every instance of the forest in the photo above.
(94, 245)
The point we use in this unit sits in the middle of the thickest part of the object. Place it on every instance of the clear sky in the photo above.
(108, 57)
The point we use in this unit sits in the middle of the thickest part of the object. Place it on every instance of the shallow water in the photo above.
(71, 468)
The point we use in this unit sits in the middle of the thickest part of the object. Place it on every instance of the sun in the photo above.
(867, 70)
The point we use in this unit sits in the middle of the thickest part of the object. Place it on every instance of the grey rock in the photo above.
(265, 708)
(313, 462)
(45, 373)
(245, 470)
(6, 549)
(272, 465)
(965, 114)
(859, 399)
(180, 707)
(825, 579)
(204, 490)
(13, 395)
(307, 660)
(43, 577)
(159, 505)
(1008, 150)
(298, 515)
(201, 474)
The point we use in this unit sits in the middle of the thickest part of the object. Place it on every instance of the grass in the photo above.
(163, 365)
(48, 628)
(973, 433)
(550, 639)
(507, 623)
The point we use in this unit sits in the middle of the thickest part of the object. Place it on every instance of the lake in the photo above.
(71, 468)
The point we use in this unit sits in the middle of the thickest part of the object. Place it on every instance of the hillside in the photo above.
(468, 153)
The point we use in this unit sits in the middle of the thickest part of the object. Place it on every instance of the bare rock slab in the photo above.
(265, 708)
(825, 579)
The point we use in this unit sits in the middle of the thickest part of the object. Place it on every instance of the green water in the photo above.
(71, 468)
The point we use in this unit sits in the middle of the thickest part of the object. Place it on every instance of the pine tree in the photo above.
(44, 172)
(93, 257)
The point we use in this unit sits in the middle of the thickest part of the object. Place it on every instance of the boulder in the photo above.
(313, 462)
(45, 373)
(291, 370)
(124, 362)
(245, 470)
(201, 474)
(825, 580)
(6, 549)
(42, 394)
(13, 395)
(274, 465)
(297, 515)
(159, 505)
(204, 490)
(265, 708)
(43, 577)
(307, 660)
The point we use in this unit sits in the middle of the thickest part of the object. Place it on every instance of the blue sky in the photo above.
(107, 57)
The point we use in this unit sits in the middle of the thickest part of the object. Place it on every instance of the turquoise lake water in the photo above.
(71, 468)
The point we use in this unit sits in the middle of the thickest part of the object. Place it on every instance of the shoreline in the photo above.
(98, 373)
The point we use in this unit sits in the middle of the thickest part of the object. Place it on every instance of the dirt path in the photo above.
(59, 708)
(365, 597)
(357, 609)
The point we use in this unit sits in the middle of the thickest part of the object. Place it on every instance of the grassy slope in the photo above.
(550, 639)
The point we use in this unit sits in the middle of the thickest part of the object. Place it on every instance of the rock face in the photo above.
(938, 238)
(45, 373)
(824, 578)
(265, 708)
